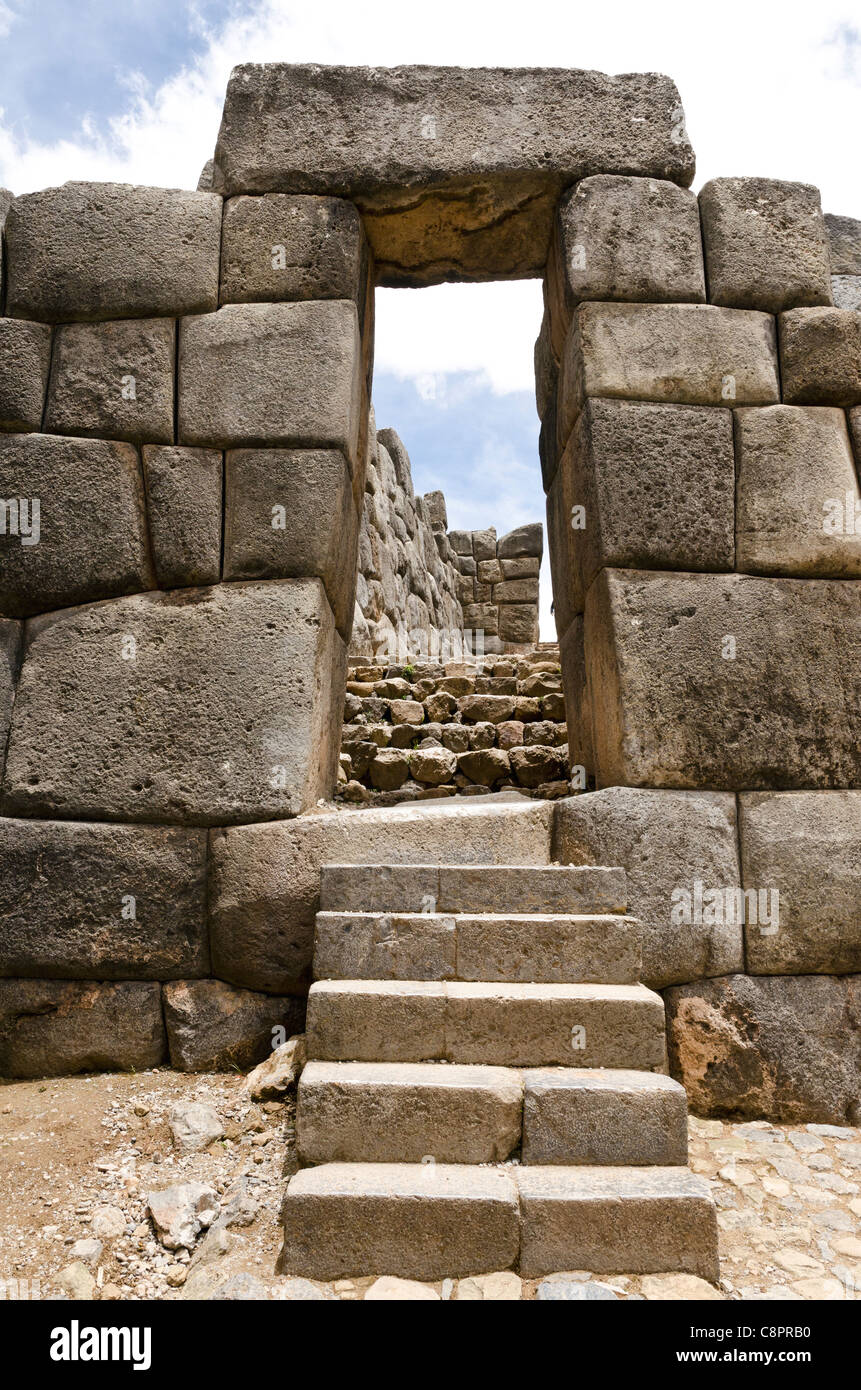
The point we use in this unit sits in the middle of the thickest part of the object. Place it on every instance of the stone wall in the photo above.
(426, 593)
(699, 385)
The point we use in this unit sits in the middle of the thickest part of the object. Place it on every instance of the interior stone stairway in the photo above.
(486, 1083)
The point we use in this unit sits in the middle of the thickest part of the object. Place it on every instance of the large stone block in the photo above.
(603, 1117)
(457, 171)
(7, 198)
(844, 244)
(723, 681)
(765, 244)
(653, 487)
(265, 886)
(141, 709)
(25, 357)
(667, 842)
(291, 514)
(112, 250)
(272, 374)
(806, 846)
(624, 238)
(59, 1027)
(785, 1048)
(110, 902)
(10, 658)
(688, 354)
(518, 623)
(86, 536)
(213, 1027)
(523, 540)
(846, 291)
(184, 490)
(287, 247)
(820, 356)
(114, 380)
(795, 490)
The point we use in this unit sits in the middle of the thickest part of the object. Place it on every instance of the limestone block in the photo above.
(59, 1027)
(518, 622)
(536, 764)
(113, 379)
(820, 356)
(687, 354)
(132, 710)
(432, 766)
(427, 1220)
(844, 244)
(434, 506)
(89, 541)
(781, 1047)
(395, 1112)
(387, 946)
(603, 1117)
(265, 879)
(10, 656)
(524, 540)
(667, 842)
(25, 357)
(389, 769)
(485, 766)
(456, 170)
(184, 499)
(290, 514)
(112, 902)
(213, 1027)
(291, 247)
(491, 709)
(516, 591)
(546, 369)
(272, 374)
(377, 1020)
(521, 567)
(704, 680)
(765, 244)
(656, 485)
(624, 238)
(484, 544)
(548, 949)
(806, 846)
(846, 291)
(112, 250)
(796, 488)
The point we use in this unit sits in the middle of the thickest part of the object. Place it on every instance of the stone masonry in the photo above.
(193, 488)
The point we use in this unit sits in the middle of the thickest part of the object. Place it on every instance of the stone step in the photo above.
(604, 1118)
(433, 1220)
(514, 1025)
(534, 947)
(397, 1112)
(448, 888)
(417, 1220)
(616, 1220)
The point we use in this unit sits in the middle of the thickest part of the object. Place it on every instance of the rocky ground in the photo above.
(81, 1159)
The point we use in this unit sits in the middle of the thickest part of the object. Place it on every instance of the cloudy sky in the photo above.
(132, 91)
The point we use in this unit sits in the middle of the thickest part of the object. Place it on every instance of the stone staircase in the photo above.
(486, 1083)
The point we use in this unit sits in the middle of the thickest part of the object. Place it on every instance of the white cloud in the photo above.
(7, 19)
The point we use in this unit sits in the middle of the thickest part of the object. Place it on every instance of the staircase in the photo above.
(485, 1087)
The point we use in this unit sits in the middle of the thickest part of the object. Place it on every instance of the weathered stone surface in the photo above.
(112, 250)
(376, 1020)
(432, 766)
(503, 1286)
(536, 764)
(277, 1074)
(624, 238)
(181, 1212)
(807, 847)
(522, 883)
(90, 541)
(641, 1220)
(486, 766)
(524, 540)
(58, 1027)
(657, 487)
(184, 499)
(194, 1126)
(110, 902)
(389, 946)
(390, 1112)
(796, 482)
(292, 247)
(10, 654)
(846, 291)
(520, 591)
(427, 1220)
(272, 374)
(265, 885)
(7, 198)
(25, 357)
(389, 1289)
(785, 1048)
(844, 244)
(131, 710)
(687, 354)
(213, 1027)
(457, 170)
(518, 622)
(548, 949)
(673, 703)
(491, 709)
(820, 356)
(114, 380)
(765, 244)
(665, 841)
(603, 1117)
(291, 514)
(389, 769)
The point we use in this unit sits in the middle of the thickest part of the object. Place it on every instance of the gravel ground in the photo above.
(80, 1155)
